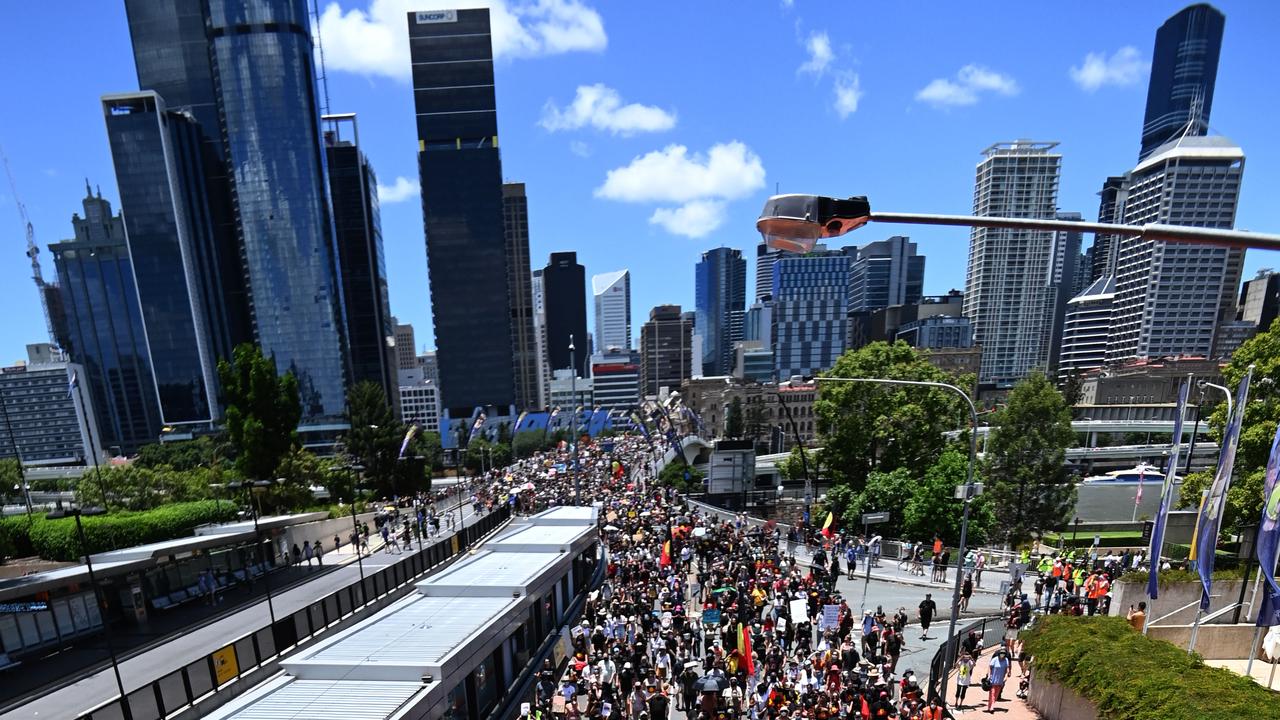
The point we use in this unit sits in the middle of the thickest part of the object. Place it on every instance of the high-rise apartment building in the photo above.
(524, 347)
(1066, 263)
(159, 171)
(362, 260)
(1110, 210)
(460, 173)
(537, 291)
(40, 422)
(1260, 299)
(1010, 294)
(765, 256)
(720, 295)
(883, 273)
(612, 294)
(810, 296)
(406, 353)
(1171, 297)
(245, 72)
(666, 347)
(1184, 69)
(564, 292)
(105, 332)
(1085, 327)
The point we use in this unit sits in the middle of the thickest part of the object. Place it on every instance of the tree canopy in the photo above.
(1030, 488)
(262, 411)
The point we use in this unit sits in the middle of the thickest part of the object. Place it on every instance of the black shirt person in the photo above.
(928, 608)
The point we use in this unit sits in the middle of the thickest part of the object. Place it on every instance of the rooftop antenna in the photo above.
(33, 250)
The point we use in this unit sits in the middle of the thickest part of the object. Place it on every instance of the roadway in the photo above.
(138, 670)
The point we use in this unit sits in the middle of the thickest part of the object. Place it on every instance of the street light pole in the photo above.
(804, 464)
(573, 440)
(949, 654)
(257, 538)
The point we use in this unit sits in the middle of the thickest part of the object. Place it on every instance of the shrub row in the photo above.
(1132, 677)
(56, 539)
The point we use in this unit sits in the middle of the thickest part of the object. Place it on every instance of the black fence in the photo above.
(990, 629)
(218, 671)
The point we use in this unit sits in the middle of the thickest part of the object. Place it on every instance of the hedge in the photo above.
(56, 539)
(1129, 676)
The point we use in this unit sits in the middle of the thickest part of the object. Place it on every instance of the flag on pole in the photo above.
(1211, 510)
(826, 526)
(1142, 477)
(1269, 538)
(475, 429)
(1166, 491)
(413, 430)
(744, 647)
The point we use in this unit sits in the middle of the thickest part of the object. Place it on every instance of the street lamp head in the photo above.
(795, 223)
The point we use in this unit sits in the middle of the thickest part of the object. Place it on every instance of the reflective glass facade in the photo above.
(361, 258)
(245, 69)
(167, 231)
(719, 296)
(462, 207)
(105, 330)
(564, 292)
(1184, 68)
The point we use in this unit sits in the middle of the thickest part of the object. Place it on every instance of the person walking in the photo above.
(966, 590)
(319, 550)
(997, 673)
(964, 677)
(927, 609)
(307, 552)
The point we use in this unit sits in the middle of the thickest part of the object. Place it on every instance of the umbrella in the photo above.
(699, 532)
(723, 589)
(711, 683)
(612, 528)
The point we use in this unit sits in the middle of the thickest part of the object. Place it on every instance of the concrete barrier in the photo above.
(1058, 702)
(1175, 595)
(1213, 642)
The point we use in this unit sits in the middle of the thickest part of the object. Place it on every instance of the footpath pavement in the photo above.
(975, 700)
(891, 571)
(154, 663)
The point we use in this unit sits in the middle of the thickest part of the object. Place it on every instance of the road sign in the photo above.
(875, 518)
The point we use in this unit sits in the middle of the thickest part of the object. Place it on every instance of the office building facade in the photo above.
(460, 174)
(245, 71)
(615, 379)
(564, 293)
(1010, 295)
(1115, 190)
(883, 273)
(810, 295)
(362, 260)
(568, 392)
(720, 296)
(1184, 70)
(406, 353)
(419, 399)
(666, 349)
(1085, 328)
(1066, 276)
(765, 257)
(1170, 298)
(524, 345)
(41, 423)
(105, 330)
(538, 294)
(168, 231)
(1260, 299)
(612, 295)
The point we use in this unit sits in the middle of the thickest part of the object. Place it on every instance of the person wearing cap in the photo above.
(998, 673)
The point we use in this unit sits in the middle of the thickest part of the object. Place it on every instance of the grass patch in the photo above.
(1132, 677)
(1107, 538)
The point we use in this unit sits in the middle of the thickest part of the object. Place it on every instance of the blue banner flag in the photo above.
(1211, 510)
(1166, 491)
(1269, 538)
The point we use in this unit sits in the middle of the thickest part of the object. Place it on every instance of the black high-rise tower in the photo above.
(1184, 66)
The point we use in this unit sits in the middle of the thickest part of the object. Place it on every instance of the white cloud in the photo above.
(601, 107)
(399, 191)
(970, 82)
(693, 219)
(1124, 67)
(579, 148)
(698, 186)
(848, 87)
(820, 54)
(376, 41)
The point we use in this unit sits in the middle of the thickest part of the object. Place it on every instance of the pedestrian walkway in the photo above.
(145, 667)
(1010, 708)
(889, 571)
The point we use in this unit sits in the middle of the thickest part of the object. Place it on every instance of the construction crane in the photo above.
(33, 250)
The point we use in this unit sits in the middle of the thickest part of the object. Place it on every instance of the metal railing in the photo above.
(991, 630)
(218, 671)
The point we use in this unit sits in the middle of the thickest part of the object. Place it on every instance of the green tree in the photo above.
(1261, 415)
(1030, 488)
(526, 443)
(263, 411)
(184, 454)
(883, 492)
(868, 427)
(10, 475)
(680, 476)
(293, 478)
(1072, 388)
(793, 468)
(733, 419)
(756, 422)
(375, 436)
(933, 511)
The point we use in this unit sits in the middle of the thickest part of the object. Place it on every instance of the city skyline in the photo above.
(547, 120)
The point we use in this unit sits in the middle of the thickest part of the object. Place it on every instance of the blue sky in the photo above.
(650, 132)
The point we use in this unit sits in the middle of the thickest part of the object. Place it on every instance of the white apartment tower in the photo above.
(1010, 295)
(1171, 298)
(612, 294)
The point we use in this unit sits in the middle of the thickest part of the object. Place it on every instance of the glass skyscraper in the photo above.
(460, 173)
(720, 293)
(104, 328)
(810, 295)
(167, 229)
(361, 257)
(564, 294)
(245, 70)
(883, 273)
(1184, 68)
